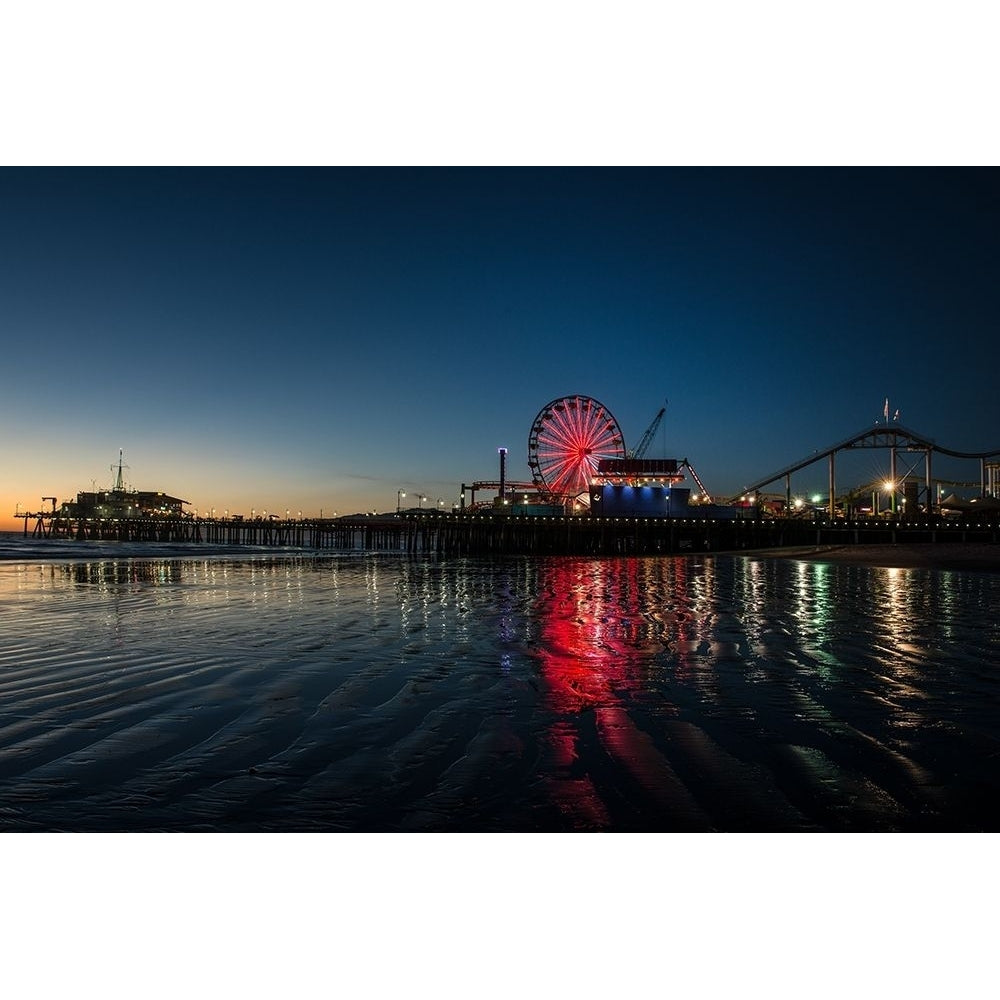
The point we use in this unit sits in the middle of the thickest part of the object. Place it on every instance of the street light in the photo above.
(890, 487)
(420, 500)
(399, 496)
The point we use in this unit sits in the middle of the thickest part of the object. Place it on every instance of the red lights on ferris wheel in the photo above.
(568, 438)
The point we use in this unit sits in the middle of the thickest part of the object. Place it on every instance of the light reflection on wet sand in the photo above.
(365, 693)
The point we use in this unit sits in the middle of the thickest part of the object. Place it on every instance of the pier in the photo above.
(505, 534)
(631, 523)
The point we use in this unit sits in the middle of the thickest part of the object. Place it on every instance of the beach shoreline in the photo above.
(964, 556)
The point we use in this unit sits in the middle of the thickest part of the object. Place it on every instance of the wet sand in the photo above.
(556, 695)
(937, 555)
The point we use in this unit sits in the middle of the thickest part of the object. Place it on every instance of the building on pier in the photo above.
(121, 502)
(117, 503)
(650, 487)
(654, 499)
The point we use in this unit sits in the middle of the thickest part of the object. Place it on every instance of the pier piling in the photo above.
(464, 534)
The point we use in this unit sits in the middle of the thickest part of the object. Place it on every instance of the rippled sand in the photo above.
(369, 693)
(938, 555)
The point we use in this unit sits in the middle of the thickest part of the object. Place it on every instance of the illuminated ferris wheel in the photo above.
(567, 439)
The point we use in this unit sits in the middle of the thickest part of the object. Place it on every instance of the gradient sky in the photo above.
(320, 338)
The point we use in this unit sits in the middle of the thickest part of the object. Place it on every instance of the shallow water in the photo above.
(368, 693)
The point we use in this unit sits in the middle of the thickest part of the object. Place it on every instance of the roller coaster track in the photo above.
(880, 436)
(893, 437)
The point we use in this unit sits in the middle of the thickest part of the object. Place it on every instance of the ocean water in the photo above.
(194, 689)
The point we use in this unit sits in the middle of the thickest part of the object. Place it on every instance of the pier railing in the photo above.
(485, 534)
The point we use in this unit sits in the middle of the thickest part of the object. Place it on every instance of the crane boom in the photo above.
(640, 450)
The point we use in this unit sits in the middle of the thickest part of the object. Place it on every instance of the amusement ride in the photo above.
(575, 442)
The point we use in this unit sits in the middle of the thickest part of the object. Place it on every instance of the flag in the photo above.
(895, 416)
(886, 410)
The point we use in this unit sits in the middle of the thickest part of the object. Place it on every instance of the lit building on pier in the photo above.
(119, 502)
(122, 503)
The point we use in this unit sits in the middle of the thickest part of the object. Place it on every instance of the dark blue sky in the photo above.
(320, 338)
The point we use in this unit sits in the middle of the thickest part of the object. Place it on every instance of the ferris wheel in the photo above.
(567, 439)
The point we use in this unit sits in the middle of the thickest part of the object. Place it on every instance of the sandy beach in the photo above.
(941, 555)
(370, 694)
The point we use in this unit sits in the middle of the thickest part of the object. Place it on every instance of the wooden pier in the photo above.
(498, 534)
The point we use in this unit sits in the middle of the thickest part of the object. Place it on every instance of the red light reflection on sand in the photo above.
(598, 643)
